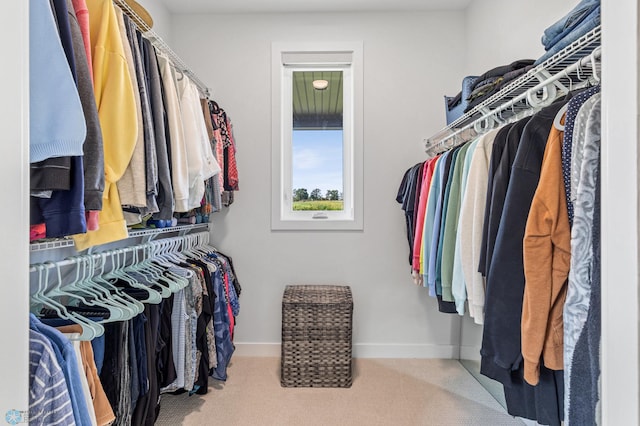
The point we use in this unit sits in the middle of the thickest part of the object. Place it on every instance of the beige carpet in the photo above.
(384, 392)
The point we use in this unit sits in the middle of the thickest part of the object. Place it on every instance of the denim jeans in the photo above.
(589, 23)
(565, 25)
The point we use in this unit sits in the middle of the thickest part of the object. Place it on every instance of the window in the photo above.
(317, 137)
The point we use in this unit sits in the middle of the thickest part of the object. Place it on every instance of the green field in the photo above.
(318, 205)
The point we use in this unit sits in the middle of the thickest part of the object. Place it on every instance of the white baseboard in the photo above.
(470, 352)
(361, 350)
(390, 350)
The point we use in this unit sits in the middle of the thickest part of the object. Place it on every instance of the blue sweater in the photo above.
(57, 126)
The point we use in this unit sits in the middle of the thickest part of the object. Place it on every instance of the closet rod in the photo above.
(159, 43)
(492, 117)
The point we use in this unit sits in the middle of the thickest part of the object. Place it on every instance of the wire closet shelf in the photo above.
(133, 233)
(160, 44)
(576, 66)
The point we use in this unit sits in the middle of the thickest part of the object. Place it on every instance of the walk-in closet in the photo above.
(296, 213)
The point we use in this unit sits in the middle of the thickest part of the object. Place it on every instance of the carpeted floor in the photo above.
(389, 392)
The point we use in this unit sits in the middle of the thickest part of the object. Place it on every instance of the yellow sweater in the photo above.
(547, 255)
(117, 111)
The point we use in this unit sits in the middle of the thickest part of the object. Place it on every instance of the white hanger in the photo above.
(165, 252)
(115, 294)
(87, 285)
(59, 291)
(97, 298)
(90, 329)
(557, 121)
(118, 272)
(594, 67)
(153, 274)
(549, 93)
(203, 243)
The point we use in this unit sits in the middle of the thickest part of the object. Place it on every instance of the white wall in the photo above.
(620, 216)
(14, 255)
(161, 18)
(407, 62)
(501, 31)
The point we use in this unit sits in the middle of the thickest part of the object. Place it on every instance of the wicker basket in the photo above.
(316, 336)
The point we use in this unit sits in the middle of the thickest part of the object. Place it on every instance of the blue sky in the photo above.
(317, 160)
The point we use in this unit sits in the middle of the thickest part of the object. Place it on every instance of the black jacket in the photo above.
(501, 349)
(497, 192)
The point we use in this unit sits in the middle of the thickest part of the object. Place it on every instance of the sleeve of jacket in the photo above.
(546, 255)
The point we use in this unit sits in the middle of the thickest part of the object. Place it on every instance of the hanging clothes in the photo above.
(471, 214)
(57, 126)
(177, 148)
(58, 182)
(546, 256)
(406, 197)
(103, 412)
(49, 400)
(450, 227)
(132, 184)
(459, 283)
(581, 318)
(164, 186)
(117, 111)
(66, 357)
(93, 157)
(508, 140)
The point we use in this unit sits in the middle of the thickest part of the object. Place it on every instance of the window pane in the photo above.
(317, 170)
(317, 140)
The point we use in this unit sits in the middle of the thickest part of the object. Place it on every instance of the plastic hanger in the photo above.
(150, 272)
(203, 243)
(90, 329)
(127, 302)
(99, 295)
(115, 313)
(557, 121)
(118, 272)
(102, 296)
(594, 67)
(482, 126)
(172, 251)
(154, 297)
(548, 95)
(163, 253)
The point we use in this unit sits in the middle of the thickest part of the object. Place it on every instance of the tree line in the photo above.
(301, 194)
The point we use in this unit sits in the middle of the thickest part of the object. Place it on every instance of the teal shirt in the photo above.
(451, 225)
(445, 205)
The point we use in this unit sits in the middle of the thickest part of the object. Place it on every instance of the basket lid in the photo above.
(317, 294)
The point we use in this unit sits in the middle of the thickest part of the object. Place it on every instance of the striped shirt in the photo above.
(49, 401)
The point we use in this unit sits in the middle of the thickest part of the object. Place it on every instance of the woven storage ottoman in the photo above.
(316, 336)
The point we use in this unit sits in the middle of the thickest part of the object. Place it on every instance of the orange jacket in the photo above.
(547, 254)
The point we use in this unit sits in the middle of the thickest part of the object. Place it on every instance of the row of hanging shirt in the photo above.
(115, 125)
(148, 319)
(507, 225)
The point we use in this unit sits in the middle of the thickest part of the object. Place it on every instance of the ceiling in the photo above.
(266, 6)
(317, 109)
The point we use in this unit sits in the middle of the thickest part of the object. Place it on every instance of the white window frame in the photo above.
(286, 59)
